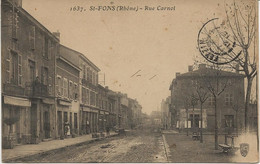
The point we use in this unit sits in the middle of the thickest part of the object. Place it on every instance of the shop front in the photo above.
(16, 121)
(89, 120)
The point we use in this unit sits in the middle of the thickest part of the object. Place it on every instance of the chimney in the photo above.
(190, 68)
(202, 66)
(177, 74)
(57, 34)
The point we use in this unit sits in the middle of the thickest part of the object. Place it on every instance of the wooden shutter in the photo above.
(7, 66)
(49, 49)
(19, 69)
(32, 38)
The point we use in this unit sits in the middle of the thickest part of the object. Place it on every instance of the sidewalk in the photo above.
(32, 149)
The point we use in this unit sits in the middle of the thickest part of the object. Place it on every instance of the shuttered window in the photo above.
(7, 67)
(32, 38)
(19, 70)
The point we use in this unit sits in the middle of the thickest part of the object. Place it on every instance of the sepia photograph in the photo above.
(129, 81)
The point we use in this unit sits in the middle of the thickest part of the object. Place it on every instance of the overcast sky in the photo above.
(158, 43)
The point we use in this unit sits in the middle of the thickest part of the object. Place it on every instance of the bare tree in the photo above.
(202, 95)
(242, 24)
(216, 85)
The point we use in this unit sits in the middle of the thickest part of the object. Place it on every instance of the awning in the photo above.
(65, 103)
(17, 101)
(48, 101)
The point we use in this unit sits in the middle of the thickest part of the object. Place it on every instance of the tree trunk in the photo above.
(248, 95)
(201, 123)
(216, 124)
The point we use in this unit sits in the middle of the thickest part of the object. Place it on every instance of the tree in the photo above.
(202, 95)
(241, 21)
(216, 85)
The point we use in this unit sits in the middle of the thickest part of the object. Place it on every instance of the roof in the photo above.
(210, 72)
(34, 21)
(70, 55)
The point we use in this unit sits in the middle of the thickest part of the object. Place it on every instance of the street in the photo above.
(136, 146)
(147, 145)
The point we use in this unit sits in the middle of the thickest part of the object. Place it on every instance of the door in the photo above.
(59, 123)
(46, 123)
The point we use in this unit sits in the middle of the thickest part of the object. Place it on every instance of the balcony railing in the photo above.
(36, 89)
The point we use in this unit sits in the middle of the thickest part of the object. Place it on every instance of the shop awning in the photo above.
(65, 103)
(17, 101)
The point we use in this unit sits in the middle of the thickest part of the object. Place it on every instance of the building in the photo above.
(89, 108)
(67, 91)
(230, 85)
(165, 113)
(28, 60)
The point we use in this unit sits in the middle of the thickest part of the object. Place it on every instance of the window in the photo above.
(97, 100)
(84, 72)
(228, 99)
(75, 90)
(97, 79)
(44, 46)
(92, 98)
(211, 100)
(15, 70)
(94, 78)
(32, 38)
(60, 86)
(15, 25)
(44, 76)
(229, 121)
(84, 94)
(87, 96)
(31, 71)
(71, 88)
(49, 49)
(88, 74)
(65, 87)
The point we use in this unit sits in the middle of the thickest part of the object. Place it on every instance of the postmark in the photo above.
(216, 44)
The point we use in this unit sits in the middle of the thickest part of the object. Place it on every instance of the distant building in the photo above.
(165, 113)
(232, 95)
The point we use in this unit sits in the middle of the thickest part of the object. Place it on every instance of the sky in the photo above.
(120, 43)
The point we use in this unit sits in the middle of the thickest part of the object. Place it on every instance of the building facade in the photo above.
(67, 92)
(28, 61)
(89, 109)
(186, 114)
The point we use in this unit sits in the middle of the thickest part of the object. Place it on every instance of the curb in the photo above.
(11, 160)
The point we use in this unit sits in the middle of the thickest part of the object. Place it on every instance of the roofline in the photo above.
(33, 20)
(68, 62)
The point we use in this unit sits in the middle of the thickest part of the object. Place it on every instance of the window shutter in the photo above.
(49, 49)
(43, 46)
(19, 70)
(32, 38)
(7, 67)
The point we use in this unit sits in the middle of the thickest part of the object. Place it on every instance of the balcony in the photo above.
(36, 89)
(88, 84)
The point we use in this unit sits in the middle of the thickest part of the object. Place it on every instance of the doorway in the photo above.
(46, 124)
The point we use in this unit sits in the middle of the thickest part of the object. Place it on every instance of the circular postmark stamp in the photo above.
(215, 43)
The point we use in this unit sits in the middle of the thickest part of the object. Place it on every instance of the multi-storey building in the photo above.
(89, 109)
(67, 90)
(230, 85)
(28, 61)
(166, 114)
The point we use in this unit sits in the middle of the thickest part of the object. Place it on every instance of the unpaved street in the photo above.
(136, 146)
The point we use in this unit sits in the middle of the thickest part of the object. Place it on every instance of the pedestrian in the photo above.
(108, 130)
